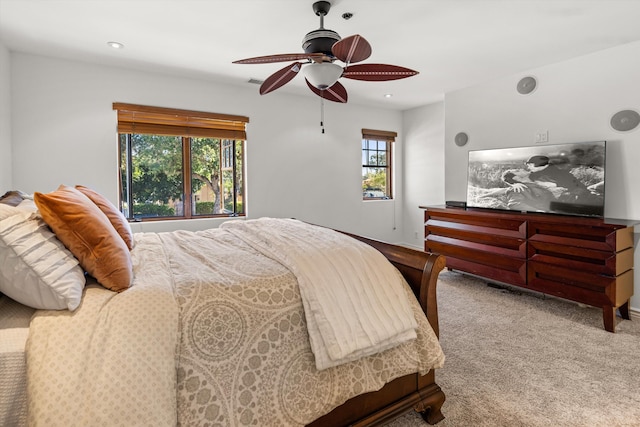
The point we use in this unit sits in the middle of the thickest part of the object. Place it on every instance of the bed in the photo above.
(215, 329)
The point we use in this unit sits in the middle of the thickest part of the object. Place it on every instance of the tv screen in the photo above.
(562, 179)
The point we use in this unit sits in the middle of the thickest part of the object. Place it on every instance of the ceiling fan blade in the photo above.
(377, 72)
(280, 78)
(284, 57)
(336, 93)
(352, 49)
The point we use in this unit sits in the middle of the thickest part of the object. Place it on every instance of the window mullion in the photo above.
(221, 153)
(187, 198)
(233, 172)
(130, 176)
(389, 170)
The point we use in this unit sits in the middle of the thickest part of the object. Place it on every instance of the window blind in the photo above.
(170, 121)
(379, 135)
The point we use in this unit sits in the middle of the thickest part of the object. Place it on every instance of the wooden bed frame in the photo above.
(420, 393)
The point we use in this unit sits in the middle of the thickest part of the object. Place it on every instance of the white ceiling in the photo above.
(452, 43)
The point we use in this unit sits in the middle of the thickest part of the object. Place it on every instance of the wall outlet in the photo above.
(542, 136)
(415, 235)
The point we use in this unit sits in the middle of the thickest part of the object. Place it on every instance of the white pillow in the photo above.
(7, 210)
(28, 204)
(35, 267)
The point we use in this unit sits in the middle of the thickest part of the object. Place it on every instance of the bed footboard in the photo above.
(420, 393)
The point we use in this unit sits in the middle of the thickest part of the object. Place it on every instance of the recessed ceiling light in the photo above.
(388, 95)
(115, 45)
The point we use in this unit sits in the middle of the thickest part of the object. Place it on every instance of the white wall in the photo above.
(5, 120)
(574, 101)
(64, 131)
(423, 166)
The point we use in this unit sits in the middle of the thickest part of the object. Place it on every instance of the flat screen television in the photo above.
(559, 179)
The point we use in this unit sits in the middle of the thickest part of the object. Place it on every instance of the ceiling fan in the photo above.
(322, 47)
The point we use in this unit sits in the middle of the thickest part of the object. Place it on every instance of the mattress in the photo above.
(14, 331)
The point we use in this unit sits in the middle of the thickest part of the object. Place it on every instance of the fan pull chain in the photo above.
(322, 114)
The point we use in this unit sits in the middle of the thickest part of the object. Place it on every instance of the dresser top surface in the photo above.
(532, 216)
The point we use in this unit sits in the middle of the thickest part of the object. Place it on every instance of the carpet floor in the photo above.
(516, 358)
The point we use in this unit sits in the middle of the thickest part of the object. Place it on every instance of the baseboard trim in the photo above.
(634, 314)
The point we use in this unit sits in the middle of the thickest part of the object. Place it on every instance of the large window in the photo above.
(376, 164)
(170, 156)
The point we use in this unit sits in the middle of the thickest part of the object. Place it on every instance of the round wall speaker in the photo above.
(526, 85)
(461, 139)
(625, 120)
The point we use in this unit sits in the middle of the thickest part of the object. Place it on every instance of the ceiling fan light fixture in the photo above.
(322, 75)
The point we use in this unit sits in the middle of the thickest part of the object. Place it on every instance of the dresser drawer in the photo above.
(479, 223)
(581, 259)
(505, 265)
(581, 235)
(516, 277)
(509, 239)
(585, 287)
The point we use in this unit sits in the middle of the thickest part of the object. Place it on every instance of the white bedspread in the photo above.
(354, 300)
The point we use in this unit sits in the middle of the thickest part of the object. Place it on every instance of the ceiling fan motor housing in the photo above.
(320, 41)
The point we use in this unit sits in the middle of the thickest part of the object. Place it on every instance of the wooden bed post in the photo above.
(427, 297)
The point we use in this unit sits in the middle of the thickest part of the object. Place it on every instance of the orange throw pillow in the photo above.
(88, 234)
(116, 217)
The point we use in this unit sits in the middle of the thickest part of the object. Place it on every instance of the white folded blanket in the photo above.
(354, 299)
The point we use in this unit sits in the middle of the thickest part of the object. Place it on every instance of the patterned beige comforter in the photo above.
(211, 333)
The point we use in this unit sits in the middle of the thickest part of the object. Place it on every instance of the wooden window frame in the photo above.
(388, 137)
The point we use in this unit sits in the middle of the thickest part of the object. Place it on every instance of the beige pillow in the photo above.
(37, 270)
(87, 232)
(116, 217)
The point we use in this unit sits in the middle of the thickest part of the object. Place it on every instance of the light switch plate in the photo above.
(542, 136)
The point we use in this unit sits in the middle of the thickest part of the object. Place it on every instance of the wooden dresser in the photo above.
(588, 260)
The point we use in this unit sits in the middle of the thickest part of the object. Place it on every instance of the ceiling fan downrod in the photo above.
(322, 39)
(321, 8)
